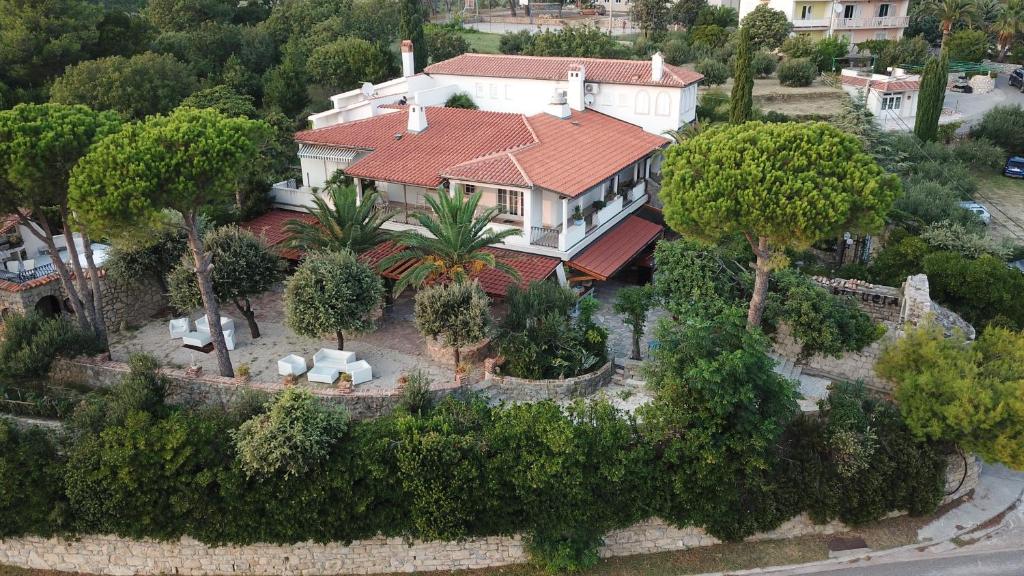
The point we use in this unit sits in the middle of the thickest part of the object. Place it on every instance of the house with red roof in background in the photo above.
(569, 164)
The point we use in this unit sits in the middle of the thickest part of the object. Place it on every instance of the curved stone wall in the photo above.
(525, 390)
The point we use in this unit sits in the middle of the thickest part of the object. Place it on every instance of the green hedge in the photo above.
(133, 466)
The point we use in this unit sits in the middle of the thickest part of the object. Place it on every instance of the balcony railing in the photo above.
(873, 22)
(27, 275)
(542, 236)
(811, 22)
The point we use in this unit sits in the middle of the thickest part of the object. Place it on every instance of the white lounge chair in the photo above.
(333, 358)
(323, 374)
(178, 327)
(291, 365)
(229, 339)
(197, 339)
(203, 324)
(360, 371)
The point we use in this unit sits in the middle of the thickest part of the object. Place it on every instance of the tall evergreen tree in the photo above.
(932, 95)
(742, 99)
(410, 27)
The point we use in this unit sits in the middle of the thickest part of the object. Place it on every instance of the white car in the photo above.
(978, 209)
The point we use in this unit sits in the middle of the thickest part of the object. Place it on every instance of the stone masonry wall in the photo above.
(881, 303)
(187, 557)
(524, 390)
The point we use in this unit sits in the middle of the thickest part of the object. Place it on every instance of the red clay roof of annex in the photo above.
(8, 223)
(600, 70)
(270, 226)
(453, 136)
(882, 85)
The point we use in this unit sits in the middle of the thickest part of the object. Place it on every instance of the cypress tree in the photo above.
(742, 99)
(410, 27)
(932, 96)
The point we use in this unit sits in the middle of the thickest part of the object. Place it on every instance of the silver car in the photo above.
(978, 209)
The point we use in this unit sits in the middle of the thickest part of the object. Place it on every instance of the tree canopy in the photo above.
(769, 28)
(342, 223)
(780, 185)
(456, 313)
(347, 62)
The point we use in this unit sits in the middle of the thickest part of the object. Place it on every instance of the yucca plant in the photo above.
(344, 226)
(453, 248)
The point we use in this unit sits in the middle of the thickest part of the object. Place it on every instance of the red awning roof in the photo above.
(271, 227)
(530, 267)
(616, 248)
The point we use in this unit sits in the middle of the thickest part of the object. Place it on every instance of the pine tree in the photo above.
(932, 96)
(741, 102)
(410, 27)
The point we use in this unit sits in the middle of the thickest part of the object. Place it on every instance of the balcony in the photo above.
(809, 23)
(289, 194)
(870, 23)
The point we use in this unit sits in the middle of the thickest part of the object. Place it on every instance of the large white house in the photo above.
(853, 20)
(567, 172)
(651, 94)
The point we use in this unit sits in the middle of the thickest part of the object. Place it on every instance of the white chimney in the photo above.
(577, 78)
(417, 118)
(408, 60)
(657, 66)
(557, 107)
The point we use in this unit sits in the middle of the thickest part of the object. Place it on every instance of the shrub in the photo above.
(444, 42)
(31, 342)
(900, 258)
(461, 100)
(721, 16)
(949, 172)
(796, 72)
(1004, 127)
(707, 38)
(715, 72)
(769, 28)
(798, 46)
(979, 154)
(983, 291)
(515, 42)
(677, 50)
(967, 45)
(954, 237)
(763, 63)
(827, 50)
(291, 437)
(970, 395)
(928, 201)
(31, 488)
(457, 313)
(416, 397)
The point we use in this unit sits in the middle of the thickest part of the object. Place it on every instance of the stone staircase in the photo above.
(812, 388)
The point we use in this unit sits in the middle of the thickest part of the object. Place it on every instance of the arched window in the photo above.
(643, 102)
(663, 105)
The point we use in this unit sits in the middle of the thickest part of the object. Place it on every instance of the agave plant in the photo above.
(341, 224)
(454, 248)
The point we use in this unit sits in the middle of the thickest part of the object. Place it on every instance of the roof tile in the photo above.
(606, 70)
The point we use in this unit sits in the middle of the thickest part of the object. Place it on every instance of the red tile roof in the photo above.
(453, 136)
(601, 70)
(883, 86)
(530, 267)
(577, 153)
(616, 248)
(271, 227)
(7, 286)
(8, 223)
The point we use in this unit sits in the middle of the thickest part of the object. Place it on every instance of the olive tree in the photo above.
(780, 185)
(243, 266)
(332, 292)
(633, 303)
(458, 313)
(184, 162)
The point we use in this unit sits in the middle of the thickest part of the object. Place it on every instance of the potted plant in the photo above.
(577, 215)
(290, 380)
(599, 205)
(345, 383)
(243, 373)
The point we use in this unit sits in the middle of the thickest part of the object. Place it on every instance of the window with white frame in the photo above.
(892, 100)
(469, 189)
(883, 10)
(806, 12)
(849, 11)
(510, 202)
(882, 35)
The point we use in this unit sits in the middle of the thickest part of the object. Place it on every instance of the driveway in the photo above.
(973, 106)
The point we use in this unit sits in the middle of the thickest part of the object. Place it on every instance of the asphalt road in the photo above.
(997, 563)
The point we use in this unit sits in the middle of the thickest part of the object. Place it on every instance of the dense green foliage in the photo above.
(410, 27)
(795, 72)
(332, 292)
(582, 41)
(444, 42)
(31, 342)
(633, 303)
(341, 223)
(931, 97)
(769, 28)
(460, 100)
(763, 63)
(651, 16)
(715, 72)
(968, 45)
(539, 339)
(456, 313)
(346, 63)
(1004, 127)
(742, 100)
(31, 485)
(968, 394)
(984, 291)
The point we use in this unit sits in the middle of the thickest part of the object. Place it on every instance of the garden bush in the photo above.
(967, 45)
(31, 342)
(715, 72)
(764, 64)
(983, 290)
(928, 201)
(979, 154)
(677, 50)
(798, 46)
(515, 42)
(795, 72)
(1004, 127)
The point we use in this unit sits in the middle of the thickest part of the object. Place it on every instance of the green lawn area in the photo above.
(483, 42)
(1004, 198)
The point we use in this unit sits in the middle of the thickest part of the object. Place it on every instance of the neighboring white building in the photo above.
(854, 20)
(651, 94)
(892, 99)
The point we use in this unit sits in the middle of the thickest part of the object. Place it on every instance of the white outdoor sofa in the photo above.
(328, 364)
(178, 327)
(291, 365)
(197, 339)
(203, 324)
(359, 370)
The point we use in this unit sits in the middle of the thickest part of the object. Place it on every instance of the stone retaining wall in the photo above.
(209, 389)
(524, 390)
(118, 556)
(881, 303)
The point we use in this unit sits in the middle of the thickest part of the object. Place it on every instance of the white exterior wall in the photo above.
(316, 172)
(896, 120)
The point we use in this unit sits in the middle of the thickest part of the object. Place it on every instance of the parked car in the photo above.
(1014, 167)
(1016, 78)
(961, 85)
(978, 209)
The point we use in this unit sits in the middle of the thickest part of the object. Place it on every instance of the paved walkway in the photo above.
(998, 488)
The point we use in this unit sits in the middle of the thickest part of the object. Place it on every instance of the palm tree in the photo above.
(684, 132)
(949, 13)
(454, 248)
(1007, 25)
(341, 224)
